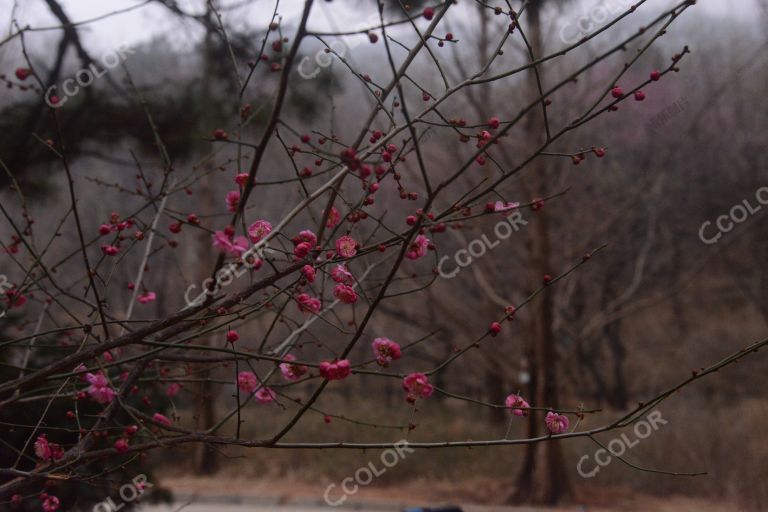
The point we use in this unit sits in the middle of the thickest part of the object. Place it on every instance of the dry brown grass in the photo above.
(702, 434)
(478, 495)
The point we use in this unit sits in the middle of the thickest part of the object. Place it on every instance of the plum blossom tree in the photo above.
(296, 234)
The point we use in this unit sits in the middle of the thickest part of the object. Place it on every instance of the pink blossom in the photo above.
(333, 217)
(306, 236)
(225, 244)
(345, 294)
(292, 371)
(258, 230)
(23, 73)
(15, 299)
(233, 199)
(556, 423)
(518, 405)
(264, 395)
(416, 385)
(247, 382)
(501, 206)
(121, 445)
(47, 451)
(239, 245)
(161, 419)
(106, 229)
(346, 246)
(336, 370)
(241, 178)
(146, 298)
(302, 249)
(43, 448)
(173, 389)
(341, 274)
(51, 504)
(308, 304)
(221, 241)
(308, 271)
(109, 250)
(385, 351)
(99, 389)
(418, 248)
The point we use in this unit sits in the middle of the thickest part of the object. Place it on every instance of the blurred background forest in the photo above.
(656, 304)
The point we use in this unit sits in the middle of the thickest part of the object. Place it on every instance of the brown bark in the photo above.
(206, 458)
(543, 478)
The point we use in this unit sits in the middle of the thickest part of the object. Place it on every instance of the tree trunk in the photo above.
(206, 458)
(619, 396)
(542, 478)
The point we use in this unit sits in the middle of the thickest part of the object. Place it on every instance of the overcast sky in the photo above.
(146, 22)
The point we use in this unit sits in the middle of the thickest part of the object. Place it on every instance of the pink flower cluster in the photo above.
(309, 273)
(345, 293)
(307, 303)
(247, 382)
(334, 217)
(501, 206)
(50, 503)
(162, 419)
(14, 299)
(418, 248)
(232, 246)
(518, 405)
(341, 274)
(146, 297)
(233, 200)
(416, 385)
(292, 371)
(258, 230)
(385, 351)
(346, 246)
(99, 389)
(556, 423)
(173, 389)
(336, 370)
(47, 451)
(304, 243)
(264, 395)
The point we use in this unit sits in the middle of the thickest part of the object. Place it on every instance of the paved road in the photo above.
(211, 506)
